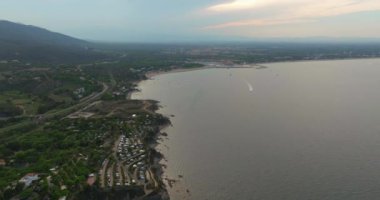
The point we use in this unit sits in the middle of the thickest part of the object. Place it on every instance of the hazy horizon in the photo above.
(200, 20)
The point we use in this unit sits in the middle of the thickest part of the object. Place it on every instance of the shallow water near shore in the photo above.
(303, 130)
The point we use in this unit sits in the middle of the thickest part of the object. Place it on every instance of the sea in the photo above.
(283, 131)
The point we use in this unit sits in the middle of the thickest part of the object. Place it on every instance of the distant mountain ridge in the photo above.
(19, 32)
(34, 44)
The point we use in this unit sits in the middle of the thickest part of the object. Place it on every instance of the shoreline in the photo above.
(157, 168)
(152, 74)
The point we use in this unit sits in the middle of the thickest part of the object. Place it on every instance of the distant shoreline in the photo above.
(152, 74)
(317, 60)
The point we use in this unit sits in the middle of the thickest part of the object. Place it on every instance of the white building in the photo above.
(29, 178)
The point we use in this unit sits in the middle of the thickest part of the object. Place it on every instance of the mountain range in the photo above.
(33, 44)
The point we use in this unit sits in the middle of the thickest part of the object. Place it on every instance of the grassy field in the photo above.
(27, 103)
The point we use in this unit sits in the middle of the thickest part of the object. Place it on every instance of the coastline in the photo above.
(155, 156)
(157, 168)
(152, 74)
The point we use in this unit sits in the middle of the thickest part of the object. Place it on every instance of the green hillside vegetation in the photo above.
(71, 146)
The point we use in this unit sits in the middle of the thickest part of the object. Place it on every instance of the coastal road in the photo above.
(88, 100)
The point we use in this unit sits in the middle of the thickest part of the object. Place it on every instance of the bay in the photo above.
(294, 130)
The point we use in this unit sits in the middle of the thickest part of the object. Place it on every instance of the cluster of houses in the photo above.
(128, 148)
(79, 93)
(122, 91)
(131, 152)
(130, 166)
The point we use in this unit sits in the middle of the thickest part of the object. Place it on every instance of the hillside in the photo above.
(34, 44)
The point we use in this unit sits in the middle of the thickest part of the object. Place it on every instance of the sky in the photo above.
(198, 20)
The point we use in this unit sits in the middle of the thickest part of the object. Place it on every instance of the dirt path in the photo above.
(119, 178)
(127, 177)
(103, 173)
(110, 176)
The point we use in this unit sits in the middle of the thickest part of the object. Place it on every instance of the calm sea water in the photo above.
(304, 130)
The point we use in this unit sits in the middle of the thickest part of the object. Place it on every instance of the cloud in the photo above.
(259, 22)
(234, 5)
(274, 12)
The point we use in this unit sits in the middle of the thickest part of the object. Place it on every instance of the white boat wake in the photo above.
(250, 88)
